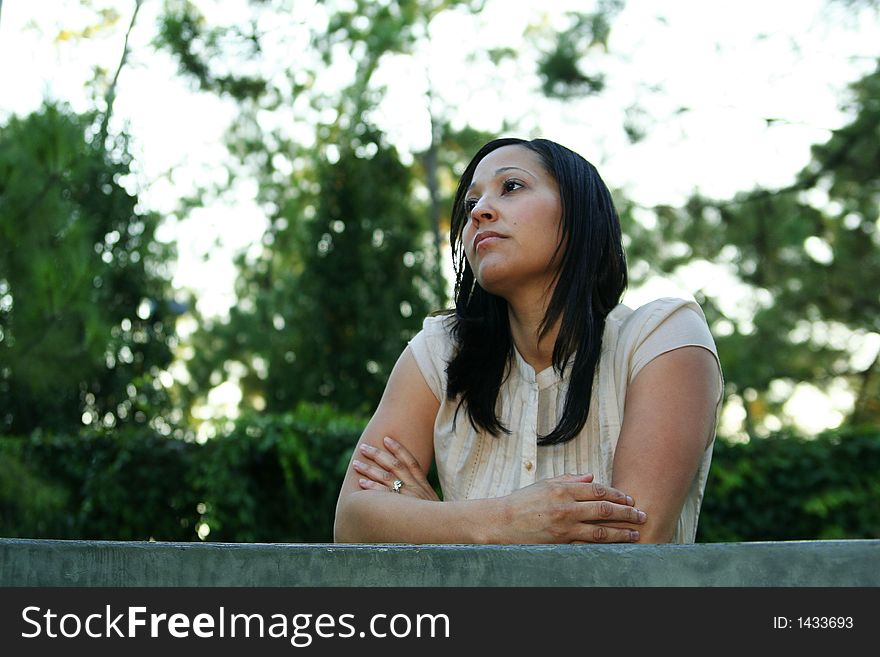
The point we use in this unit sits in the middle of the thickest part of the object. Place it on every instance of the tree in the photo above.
(85, 322)
(325, 308)
(346, 272)
(562, 61)
(810, 253)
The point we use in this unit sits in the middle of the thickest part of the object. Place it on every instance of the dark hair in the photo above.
(589, 282)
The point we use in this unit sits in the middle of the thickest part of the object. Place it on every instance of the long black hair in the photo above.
(589, 282)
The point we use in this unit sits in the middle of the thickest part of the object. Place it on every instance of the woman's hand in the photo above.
(382, 468)
(569, 509)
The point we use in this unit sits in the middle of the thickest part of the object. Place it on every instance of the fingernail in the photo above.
(357, 463)
(629, 500)
(642, 516)
(634, 535)
(362, 482)
(389, 441)
(366, 449)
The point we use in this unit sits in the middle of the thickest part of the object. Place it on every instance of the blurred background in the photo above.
(220, 222)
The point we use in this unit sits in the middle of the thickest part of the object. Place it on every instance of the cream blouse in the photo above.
(473, 464)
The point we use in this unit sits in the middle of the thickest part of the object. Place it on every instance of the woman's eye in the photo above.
(470, 204)
(511, 185)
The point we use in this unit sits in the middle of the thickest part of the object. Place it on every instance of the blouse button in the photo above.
(528, 465)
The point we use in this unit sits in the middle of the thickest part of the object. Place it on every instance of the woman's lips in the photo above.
(486, 238)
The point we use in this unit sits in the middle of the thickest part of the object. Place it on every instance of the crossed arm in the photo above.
(669, 416)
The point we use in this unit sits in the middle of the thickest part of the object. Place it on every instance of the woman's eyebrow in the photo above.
(503, 169)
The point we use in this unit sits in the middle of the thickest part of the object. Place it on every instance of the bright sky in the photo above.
(731, 64)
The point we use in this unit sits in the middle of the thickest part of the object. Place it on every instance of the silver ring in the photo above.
(397, 485)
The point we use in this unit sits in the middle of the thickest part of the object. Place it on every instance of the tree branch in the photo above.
(111, 92)
(430, 160)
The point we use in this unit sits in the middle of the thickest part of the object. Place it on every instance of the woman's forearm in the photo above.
(374, 517)
(564, 509)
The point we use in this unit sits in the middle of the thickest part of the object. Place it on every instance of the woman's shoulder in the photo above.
(634, 337)
(438, 324)
(656, 327)
(648, 316)
(432, 347)
(435, 339)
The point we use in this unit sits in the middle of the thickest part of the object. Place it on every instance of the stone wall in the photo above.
(25, 562)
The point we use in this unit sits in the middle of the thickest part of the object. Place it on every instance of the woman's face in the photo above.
(514, 223)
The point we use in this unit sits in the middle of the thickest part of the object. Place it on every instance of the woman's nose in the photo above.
(483, 211)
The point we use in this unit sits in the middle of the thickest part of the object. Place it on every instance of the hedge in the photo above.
(788, 487)
(275, 478)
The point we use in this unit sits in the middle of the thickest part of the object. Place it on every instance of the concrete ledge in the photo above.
(25, 562)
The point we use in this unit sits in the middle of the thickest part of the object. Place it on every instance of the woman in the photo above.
(555, 414)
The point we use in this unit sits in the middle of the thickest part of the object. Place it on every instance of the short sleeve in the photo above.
(432, 349)
(665, 325)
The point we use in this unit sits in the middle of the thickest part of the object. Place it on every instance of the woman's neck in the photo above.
(525, 326)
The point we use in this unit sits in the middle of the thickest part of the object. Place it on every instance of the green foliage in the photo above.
(272, 478)
(364, 288)
(810, 254)
(85, 325)
(275, 478)
(382, 27)
(346, 273)
(29, 504)
(132, 484)
(197, 49)
(326, 308)
(786, 487)
(561, 67)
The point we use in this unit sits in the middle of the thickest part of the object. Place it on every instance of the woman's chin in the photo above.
(493, 283)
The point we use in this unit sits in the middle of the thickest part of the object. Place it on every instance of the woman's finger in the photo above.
(586, 478)
(605, 511)
(385, 460)
(402, 454)
(369, 484)
(604, 534)
(587, 492)
(373, 472)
